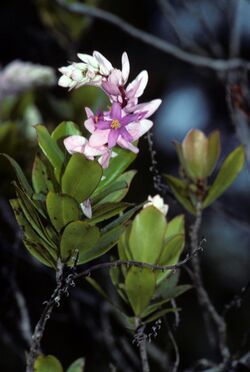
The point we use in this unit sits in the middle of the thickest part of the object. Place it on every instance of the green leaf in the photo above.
(175, 227)
(159, 314)
(62, 209)
(33, 242)
(34, 218)
(50, 149)
(227, 174)
(154, 307)
(166, 286)
(116, 186)
(105, 211)
(105, 243)
(78, 236)
(77, 366)
(123, 245)
(140, 287)
(20, 175)
(170, 254)
(41, 180)
(47, 363)
(81, 177)
(171, 250)
(65, 129)
(179, 188)
(117, 196)
(117, 166)
(147, 235)
(213, 151)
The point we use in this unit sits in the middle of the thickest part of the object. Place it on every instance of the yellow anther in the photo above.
(115, 124)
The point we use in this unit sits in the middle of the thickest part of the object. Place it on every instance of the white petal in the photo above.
(138, 129)
(88, 60)
(105, 65)
(142, 79)
(127, 145)
(99, 137)
(86, 208)
(149, 107)
(125, 67)
(75, 144)
(64, 81)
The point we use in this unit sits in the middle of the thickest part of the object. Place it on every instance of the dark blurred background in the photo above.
(43, 33)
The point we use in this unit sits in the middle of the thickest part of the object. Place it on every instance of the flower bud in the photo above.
(198, 154)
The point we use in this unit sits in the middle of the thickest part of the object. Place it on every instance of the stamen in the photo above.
(115, 124)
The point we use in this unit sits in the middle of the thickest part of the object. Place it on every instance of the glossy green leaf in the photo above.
(34, 218)
(213, 151)
(179, 189)
(115, 187)
(140, 287)
(47, 363)
(105, 211)
(170, 254)
(80, 237)
(154, 307)
(171, 250)
(118, 195)
(147, 235)
(65, 129)
(105, 243)
(77, 366)
(121, 220)
(166, 286)
(62, 209)
(117, 166)
(20, 175)
(159, 314)
(33, 242)
(50, 149)
(123, 245)
(41, 179)
(226, 175)
(81, 177)
(175, 226)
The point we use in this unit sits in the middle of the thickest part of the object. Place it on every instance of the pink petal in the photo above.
(90, 125)
(127, 145)
(89, 112)
(138, 129)
(99, 137)
(104, 159)
(125, 67)
(110, 88)
(125, 134)
(75, 144)
(142, 78)
(86, 208)
(112, 138)
(148, 107)
(91, 151)
(116, 111)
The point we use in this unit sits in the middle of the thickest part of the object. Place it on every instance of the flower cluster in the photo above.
(125, 121)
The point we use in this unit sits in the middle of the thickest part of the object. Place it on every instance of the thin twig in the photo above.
(209, 311)
(143, 36)
(176, 349)
(105, 265)
(63, 284)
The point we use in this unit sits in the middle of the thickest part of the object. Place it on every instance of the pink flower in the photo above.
(81, 144)
(118, 127)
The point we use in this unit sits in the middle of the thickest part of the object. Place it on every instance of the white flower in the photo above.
(91, 71)
(157, 202)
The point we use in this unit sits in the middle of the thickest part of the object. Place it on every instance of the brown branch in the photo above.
(156, 42)
(63, 284)
(209, 311)
(105, 265)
